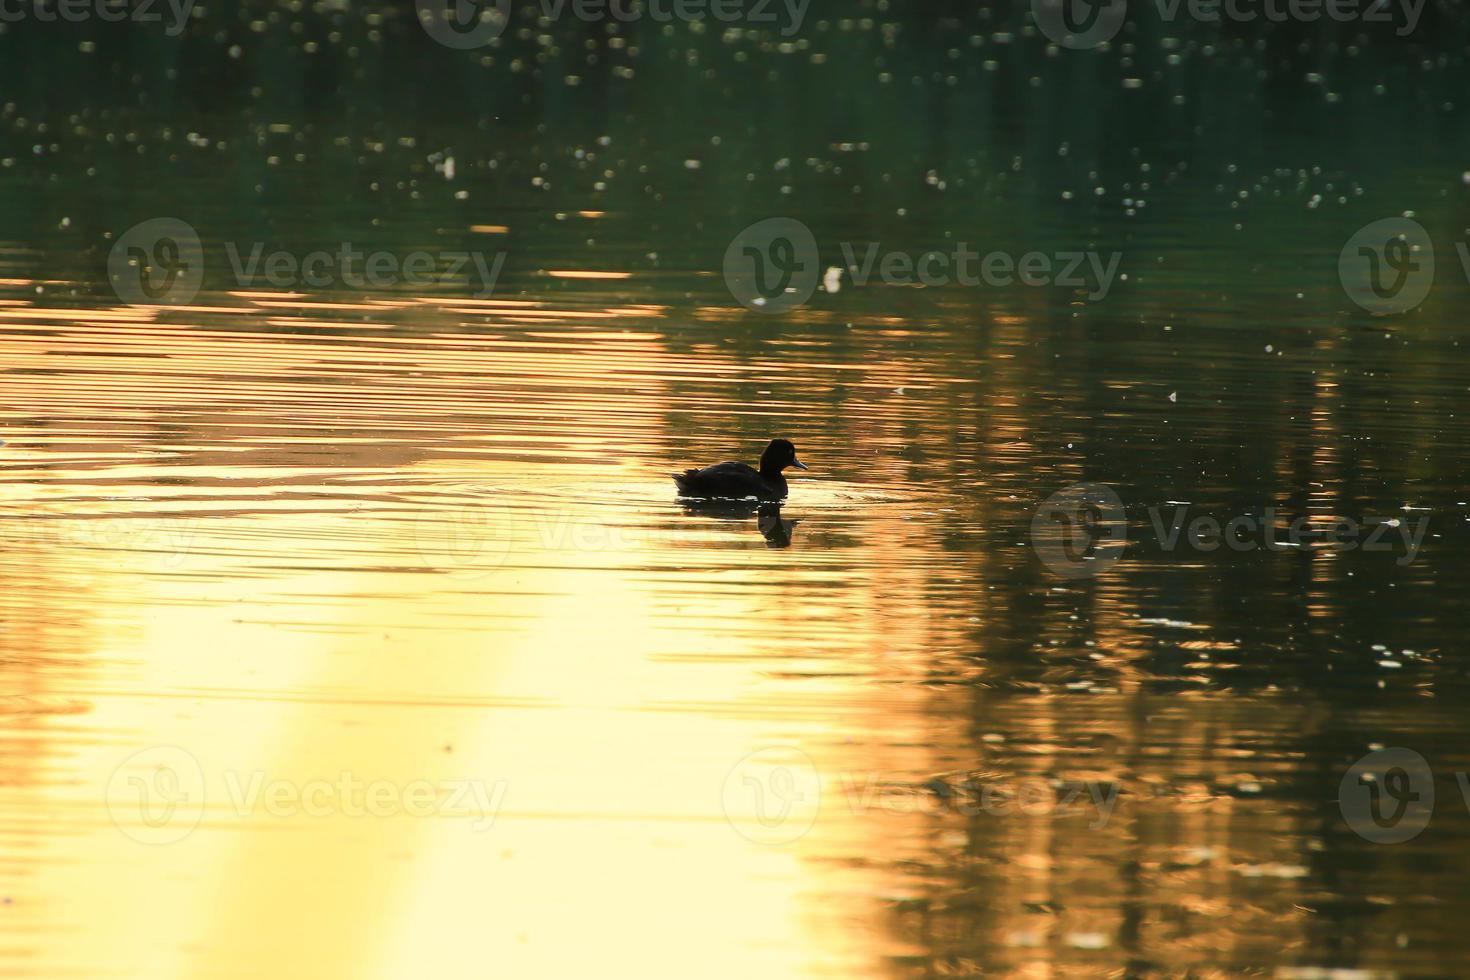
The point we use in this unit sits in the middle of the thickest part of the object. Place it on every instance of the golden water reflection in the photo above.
(379, 648)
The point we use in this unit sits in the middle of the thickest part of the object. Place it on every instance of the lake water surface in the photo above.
(358, 632)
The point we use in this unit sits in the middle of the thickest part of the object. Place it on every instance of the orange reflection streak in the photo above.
(105, 316)
(491, 303)
(305, 523)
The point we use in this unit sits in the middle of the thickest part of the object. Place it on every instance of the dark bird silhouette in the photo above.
(737, 480)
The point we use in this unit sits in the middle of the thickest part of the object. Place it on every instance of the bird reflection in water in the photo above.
(768, 520)
(774, 528)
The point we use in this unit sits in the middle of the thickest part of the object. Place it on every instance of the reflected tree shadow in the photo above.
(773, 527)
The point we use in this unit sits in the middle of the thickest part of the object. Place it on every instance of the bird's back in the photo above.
(726, 480)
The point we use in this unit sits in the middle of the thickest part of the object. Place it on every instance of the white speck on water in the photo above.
(1272, 871)
(832, 281)
(1087, 940)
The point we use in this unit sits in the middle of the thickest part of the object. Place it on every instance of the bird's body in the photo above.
(738, 481)
(730, 480)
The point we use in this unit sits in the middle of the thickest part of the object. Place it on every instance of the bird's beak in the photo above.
(797, 463)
